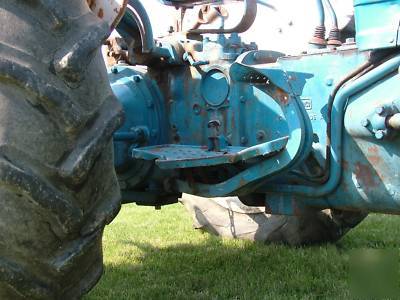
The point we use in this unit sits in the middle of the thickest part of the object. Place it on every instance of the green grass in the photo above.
(153, 254)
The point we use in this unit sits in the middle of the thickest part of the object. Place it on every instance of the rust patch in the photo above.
(100, 14)
(281, 96)
(92, 4)
(373, 150)
(242, 182)
(120, 14)
(365, 176)
(374, 159)
(373, 155)
(297, 211)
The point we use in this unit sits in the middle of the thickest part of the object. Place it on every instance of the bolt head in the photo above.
(380, 134)
(196, 109)
(260, 135)
(114, 70)
(380, 110)
(150, 103)
(243, 140)
(365, 122)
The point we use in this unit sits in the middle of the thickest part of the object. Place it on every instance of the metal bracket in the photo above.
(245, 23)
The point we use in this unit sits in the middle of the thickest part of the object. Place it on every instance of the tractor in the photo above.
(304, 142)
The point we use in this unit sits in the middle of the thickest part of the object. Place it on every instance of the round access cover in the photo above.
(215, 87)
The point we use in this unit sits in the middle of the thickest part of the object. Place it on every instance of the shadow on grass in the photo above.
(217, 269)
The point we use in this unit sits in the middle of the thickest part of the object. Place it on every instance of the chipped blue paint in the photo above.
(218, 120)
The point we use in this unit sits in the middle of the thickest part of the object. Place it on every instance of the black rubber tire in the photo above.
(58, 187)
(228, 217)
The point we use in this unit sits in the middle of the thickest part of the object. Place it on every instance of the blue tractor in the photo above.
(313, 136)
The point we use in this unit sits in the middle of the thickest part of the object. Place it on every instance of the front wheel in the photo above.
(229, 217)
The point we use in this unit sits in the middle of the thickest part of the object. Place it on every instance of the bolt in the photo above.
(243, 140)
(365, 122)
(380, 110)
(242, 99)
(260, 135)
(136, 78)
(196, 109)
(329, 81)
(114, 70)
(380, 134)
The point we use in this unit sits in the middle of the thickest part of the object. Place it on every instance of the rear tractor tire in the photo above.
(230, 218)
(58, 187)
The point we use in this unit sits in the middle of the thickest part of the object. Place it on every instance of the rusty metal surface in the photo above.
(254, 100)
(110, 11)
(187, 156)
(244, 24)
(208, 14)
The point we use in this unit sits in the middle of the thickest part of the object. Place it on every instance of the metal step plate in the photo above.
(188, 156)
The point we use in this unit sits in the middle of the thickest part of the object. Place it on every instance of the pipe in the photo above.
(321, 13)
(208, 14)
(318, 38)
(334, 32)
(332, 13)
(337, 119)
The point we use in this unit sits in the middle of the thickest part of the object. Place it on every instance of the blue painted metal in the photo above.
(377, 23)
(144, 111)
(337, 117)
(186, 156)
(216, 118)
(370, 179)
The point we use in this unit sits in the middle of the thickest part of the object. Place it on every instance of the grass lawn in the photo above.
(153, 254)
